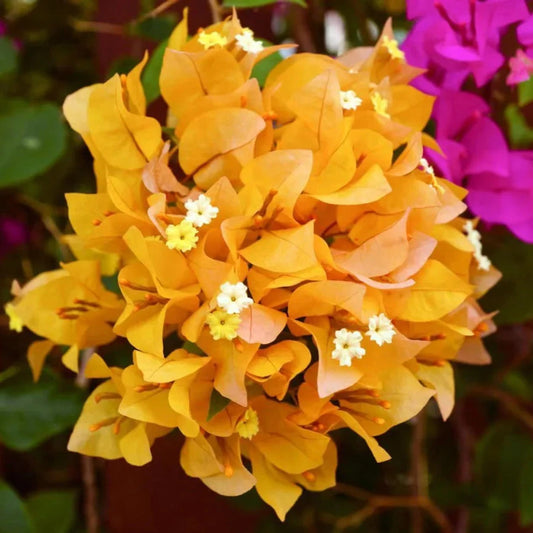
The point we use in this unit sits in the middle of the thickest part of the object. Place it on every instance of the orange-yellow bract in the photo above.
(289, 243)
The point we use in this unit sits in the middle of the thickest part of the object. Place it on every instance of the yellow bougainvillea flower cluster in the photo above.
(288, 263)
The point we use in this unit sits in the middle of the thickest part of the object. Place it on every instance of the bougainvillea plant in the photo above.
(288, 263)
(472, 51)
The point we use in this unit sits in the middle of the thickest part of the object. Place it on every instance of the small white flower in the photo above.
(473, 235)
(246, 41)
(233, 297)
(200, 211)
(426, 167)
(468, 227)
(483, 262)
(380, 329)
(347, 346)
(350, 100)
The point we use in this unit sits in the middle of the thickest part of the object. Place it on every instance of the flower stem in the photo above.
(419, 470)
(216, 11)
(88, 476)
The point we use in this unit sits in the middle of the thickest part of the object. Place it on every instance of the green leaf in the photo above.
(513, 294)
(8, 373)
(262, 69)
(53, 510)
(121, 65)
(500, 455)
(111, 283)
(155, 28)
(257, 3)
(525, 92)
(518, 384)
(520, 133)
(14, 517)
(32, 412)
(150, 75)
(8, 56)
(216, 404)
(33, 138)
(192, 348)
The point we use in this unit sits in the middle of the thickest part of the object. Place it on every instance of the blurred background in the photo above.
(473, 473)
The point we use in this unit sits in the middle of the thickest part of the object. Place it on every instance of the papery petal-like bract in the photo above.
(288, 263)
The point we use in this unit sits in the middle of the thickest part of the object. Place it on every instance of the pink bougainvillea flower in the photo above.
(470, 141)
(475, 154)
(455, 38)
(521, 66)
(524, 32)
(506, 199)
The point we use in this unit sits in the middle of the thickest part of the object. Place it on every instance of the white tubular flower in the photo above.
(426, 167)
(473, 235)
(246, 41)
(233, 297)
(350, 100)
(483, 262)
(347, 346)
(380, 329)
(200, 211)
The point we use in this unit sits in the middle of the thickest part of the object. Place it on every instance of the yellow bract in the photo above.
(268, 220)
(15, 322)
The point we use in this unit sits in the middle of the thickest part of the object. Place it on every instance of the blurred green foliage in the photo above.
(34, 138)
(53, 510)
(14, 513)
(33, 412)
(42, 512)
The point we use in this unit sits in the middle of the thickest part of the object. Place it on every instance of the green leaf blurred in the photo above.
(52, 510)
(155, 28)
(122, 65)
(262, 69)
(192, 348)
(150, 75)
(513, 294)
(31, 412)
(33, 139)
(217, 402)
(14, 517)
(525, 92)
(8, 56)
(520, 134)
(518, 384)
(258, 3)
(498, 467)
